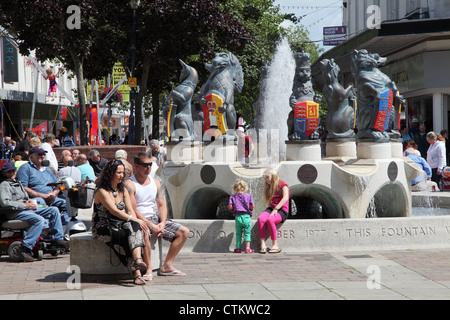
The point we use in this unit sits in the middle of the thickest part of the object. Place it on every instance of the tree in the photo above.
(169, 30)
(46, 27)
(263, 20)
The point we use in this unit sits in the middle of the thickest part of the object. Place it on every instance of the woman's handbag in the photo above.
(82, 195)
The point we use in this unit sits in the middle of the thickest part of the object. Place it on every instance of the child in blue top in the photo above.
(241, 205)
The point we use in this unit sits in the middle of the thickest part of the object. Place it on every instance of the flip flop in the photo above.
(275, 251)
(147, 277)
(172, 273)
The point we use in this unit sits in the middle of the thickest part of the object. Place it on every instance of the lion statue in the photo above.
(226, 80)
(303, 120)
(341, 113)
(378, 99)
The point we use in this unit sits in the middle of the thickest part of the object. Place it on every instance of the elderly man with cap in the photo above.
(15, 204)
(35, 175)
(122, 155)
(64, 138)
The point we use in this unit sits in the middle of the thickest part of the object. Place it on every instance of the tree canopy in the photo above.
(167, 30)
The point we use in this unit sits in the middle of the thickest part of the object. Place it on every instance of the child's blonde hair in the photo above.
(240, 186)
(49, 71)
(270, 189)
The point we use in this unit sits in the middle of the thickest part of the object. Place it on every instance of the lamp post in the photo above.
(134, 4)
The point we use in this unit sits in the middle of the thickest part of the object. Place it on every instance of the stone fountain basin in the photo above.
(344, 190)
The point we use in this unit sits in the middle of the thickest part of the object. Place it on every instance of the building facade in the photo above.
(23, 85)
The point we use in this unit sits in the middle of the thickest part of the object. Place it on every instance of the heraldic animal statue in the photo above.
(341, 103)
(217, 95)
(177, 110)
(379, 103)
(303, 120)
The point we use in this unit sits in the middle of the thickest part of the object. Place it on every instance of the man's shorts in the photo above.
(169, 230)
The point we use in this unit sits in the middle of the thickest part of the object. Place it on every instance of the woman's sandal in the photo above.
(139, 281)
(139, 264)
(148, 277)
(263, 251)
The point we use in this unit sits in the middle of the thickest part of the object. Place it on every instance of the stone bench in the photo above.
(98, 262)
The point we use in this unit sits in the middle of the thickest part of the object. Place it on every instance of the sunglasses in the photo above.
(146, 165)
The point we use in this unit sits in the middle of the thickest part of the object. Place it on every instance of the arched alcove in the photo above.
(389, 201)
(312, 202)
(204, 203)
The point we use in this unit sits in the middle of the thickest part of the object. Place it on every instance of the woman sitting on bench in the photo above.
(115, 222)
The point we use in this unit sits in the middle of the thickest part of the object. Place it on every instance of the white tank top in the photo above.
(145, 197)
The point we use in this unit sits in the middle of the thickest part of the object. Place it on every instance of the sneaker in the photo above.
(23, 253)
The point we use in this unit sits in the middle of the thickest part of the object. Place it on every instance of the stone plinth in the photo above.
(184, 152)
(194, 152)
(98, 262)
(305, 150)
(341, 148)
(373, 150)
(397, 148)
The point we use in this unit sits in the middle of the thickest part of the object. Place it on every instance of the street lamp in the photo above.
(134, 4)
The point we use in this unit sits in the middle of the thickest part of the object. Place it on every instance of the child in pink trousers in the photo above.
(276, 193)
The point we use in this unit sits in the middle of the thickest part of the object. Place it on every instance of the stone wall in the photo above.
(106, 152)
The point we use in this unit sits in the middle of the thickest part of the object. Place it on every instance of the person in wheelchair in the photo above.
(35, 177)
(15, 204)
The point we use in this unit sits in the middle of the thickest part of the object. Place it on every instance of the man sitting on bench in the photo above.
(16, 205)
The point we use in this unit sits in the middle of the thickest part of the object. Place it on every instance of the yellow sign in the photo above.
(132, 82)
(117, 74)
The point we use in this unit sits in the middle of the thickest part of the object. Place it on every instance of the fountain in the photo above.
(347, 201)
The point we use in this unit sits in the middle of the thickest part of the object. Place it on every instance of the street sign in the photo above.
(333, 36)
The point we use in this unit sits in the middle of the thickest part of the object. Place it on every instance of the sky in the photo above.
(319, 14)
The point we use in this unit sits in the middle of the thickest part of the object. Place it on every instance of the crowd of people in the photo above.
(123, 216)
(430, 151)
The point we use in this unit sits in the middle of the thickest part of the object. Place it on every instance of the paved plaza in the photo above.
(399, 275)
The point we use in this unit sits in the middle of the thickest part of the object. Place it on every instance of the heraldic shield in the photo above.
(385, 108)
(306, 114)
(212, 115)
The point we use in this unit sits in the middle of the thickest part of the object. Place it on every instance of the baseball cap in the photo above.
(8, 166)
(37, 150)
(121, 154)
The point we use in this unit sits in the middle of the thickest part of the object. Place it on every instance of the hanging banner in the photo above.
(10, 62)
(63, 113)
